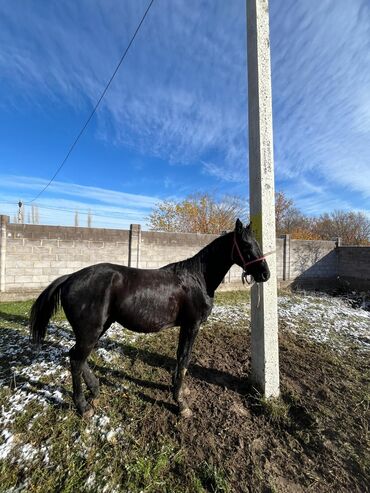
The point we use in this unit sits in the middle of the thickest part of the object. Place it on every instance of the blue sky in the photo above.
(174, 119)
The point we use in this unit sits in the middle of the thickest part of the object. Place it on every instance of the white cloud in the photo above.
(59, 188)
(108, 207)
(181, 92)
(321, 75)
(169, 97)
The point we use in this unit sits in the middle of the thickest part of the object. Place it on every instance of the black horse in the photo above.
(144, 300)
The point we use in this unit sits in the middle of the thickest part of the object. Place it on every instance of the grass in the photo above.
(232, 297)
(135, 442)
(276, 410)
(74, 456)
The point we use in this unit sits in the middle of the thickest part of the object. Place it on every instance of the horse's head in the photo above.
(247, 253)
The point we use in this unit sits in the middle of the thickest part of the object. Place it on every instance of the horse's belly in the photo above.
(148, 315)
(148, 328)
(145, 325)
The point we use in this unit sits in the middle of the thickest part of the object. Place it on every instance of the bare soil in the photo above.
(315, 438)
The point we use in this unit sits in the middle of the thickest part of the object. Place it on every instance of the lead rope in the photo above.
(251, 283)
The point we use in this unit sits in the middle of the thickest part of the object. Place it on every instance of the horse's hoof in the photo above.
(88, 413)
(94, 401)
(186, 413)
(186, 391)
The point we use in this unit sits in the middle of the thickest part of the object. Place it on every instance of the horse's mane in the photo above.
(199, 261)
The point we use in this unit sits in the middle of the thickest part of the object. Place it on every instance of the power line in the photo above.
(80, 211)
(115, 214)
(96, 105)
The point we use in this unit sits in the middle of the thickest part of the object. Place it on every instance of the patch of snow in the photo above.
(119, 333)
(90, 481)
(107, 356)
(326, 319)
(7, 446)
(230, 313)
(316, 316)
(17, 402)
(27, 452)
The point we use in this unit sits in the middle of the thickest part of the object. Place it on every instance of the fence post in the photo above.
(134, 246)
(286, 258)
(338, 243)
(4, 220)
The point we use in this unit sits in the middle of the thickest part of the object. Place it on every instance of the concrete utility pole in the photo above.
(20, 212)
(265, 352)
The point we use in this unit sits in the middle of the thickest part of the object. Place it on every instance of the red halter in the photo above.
(235, 245)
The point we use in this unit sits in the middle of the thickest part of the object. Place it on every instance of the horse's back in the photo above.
(147, 300)
(143, 300)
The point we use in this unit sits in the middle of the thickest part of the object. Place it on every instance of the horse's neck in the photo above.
(215, 261)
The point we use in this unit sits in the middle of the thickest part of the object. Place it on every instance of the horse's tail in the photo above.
(44, 307)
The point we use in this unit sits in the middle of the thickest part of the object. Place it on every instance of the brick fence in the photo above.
(31, 256)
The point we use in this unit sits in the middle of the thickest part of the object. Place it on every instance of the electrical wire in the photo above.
(108, 214)
(96, 105)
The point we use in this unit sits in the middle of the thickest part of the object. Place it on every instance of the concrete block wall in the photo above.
(158, 249)
(354, 267)
(312, 259)
(280, 257)
(31, 256)
(36, 255)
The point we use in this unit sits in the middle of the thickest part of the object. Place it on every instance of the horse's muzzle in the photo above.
(265, 276)
(262, 274)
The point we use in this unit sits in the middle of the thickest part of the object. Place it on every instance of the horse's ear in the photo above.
(238, 226)
(249, 227)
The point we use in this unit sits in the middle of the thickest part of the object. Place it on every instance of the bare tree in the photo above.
(352, 227)
(198, 213)
(289, 219)
(283, 206)
(202, 213)
(76, 219)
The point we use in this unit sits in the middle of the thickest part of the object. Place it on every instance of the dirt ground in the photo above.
(314, 439)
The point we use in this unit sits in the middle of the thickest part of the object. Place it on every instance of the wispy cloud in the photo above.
(83, 192)
(321, 80)
(225, 173)
(169, 97)
(108, 207)
(181, 94)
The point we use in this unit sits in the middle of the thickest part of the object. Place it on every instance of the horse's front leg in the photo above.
(186, 341)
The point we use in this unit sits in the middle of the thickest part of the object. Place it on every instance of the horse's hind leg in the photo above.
(91, 381)
(186, 341)
(78, 356)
